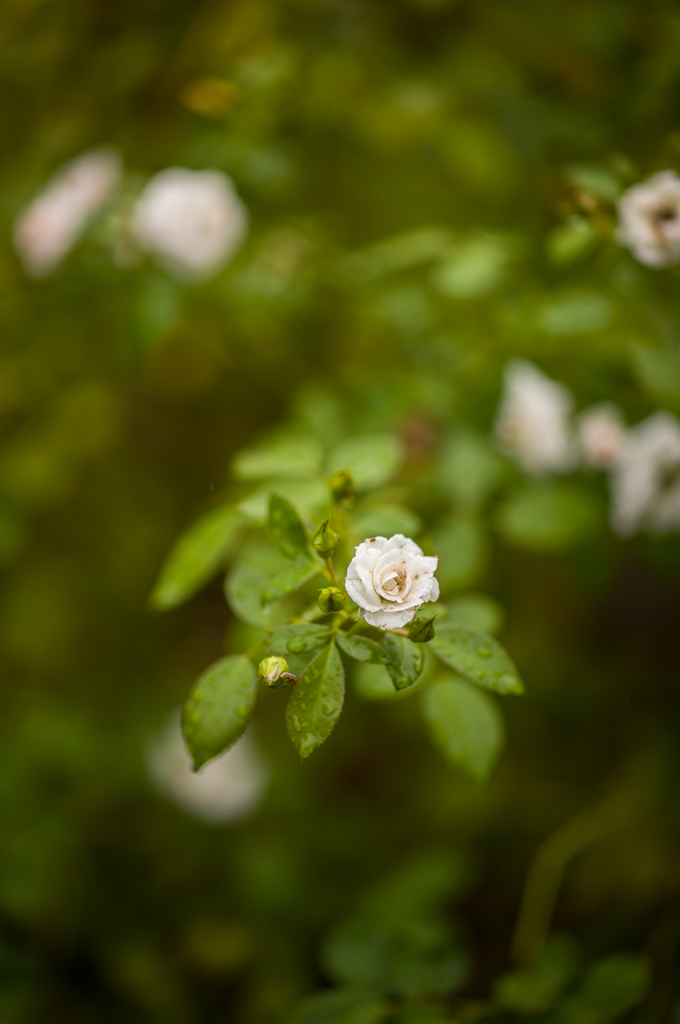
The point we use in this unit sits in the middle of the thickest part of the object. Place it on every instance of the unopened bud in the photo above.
(421, 631)
(331, 599)
(273, 672)
(325, 540)
(342, 488)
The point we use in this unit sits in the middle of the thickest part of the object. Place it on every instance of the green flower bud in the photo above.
(342, 488)
(421, 631)
(273, 672)
(331, 599)
(325, 540)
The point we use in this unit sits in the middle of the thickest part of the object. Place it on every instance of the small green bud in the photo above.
(273, 672)
(421, 631)
(342, 488)
(331, 599)
(325, 540)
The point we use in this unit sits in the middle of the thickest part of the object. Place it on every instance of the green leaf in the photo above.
(475, 267)
(282, 457)
(360, 648)
(478, 657)
(219, 708)
(340, 1007)
(594, 178)
(385, 521)
(407, 958)
(196, 556)
(470, 469)
(465, 725)
(372, 682)
(610, 988)
(403, 660)
(372, 460)
(570, 241)
(555, 516)
(537, 989)
(658, 371)
(287, 581)
(398, 253)
(477, 611)
(316, 702)
(306, 636)
(243, 589)
(286, 529)
(310, 496)
(462, 551)
(421, 884)
(578, 311)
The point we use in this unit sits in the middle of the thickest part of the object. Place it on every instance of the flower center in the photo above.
(665, 214)
(395, 583)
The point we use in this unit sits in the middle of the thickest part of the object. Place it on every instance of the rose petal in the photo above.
(389, 618)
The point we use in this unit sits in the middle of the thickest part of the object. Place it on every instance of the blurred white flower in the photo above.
(226, 789)
(533, 419)
(47, 228)
(665, 514)
(601, 435)
(649, 220)
(390, 579)
(192, 221)
(640, 492)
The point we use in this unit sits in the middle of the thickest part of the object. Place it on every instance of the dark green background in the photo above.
(123, 397)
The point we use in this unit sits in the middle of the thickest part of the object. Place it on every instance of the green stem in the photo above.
(547, 870)
(259, 647)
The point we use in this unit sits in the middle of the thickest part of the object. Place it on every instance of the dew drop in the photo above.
(296, 646)
(484, 652)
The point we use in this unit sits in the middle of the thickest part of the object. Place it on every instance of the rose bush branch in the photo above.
(309, 638)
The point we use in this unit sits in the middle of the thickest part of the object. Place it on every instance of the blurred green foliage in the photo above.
(430, 186)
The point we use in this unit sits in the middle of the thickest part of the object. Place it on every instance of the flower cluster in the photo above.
(192, 222)
(227, 789)
(47, 228)
(535, 425)
(649, 220)
(389, 579)
(532, 421)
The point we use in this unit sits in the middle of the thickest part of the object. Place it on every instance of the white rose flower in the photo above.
(664, 516)
(390, 579)
(640, 493)
(533, 419)
(649, 220)
(47, 228)
(601, 435)
(225, 789)
(192, 221)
